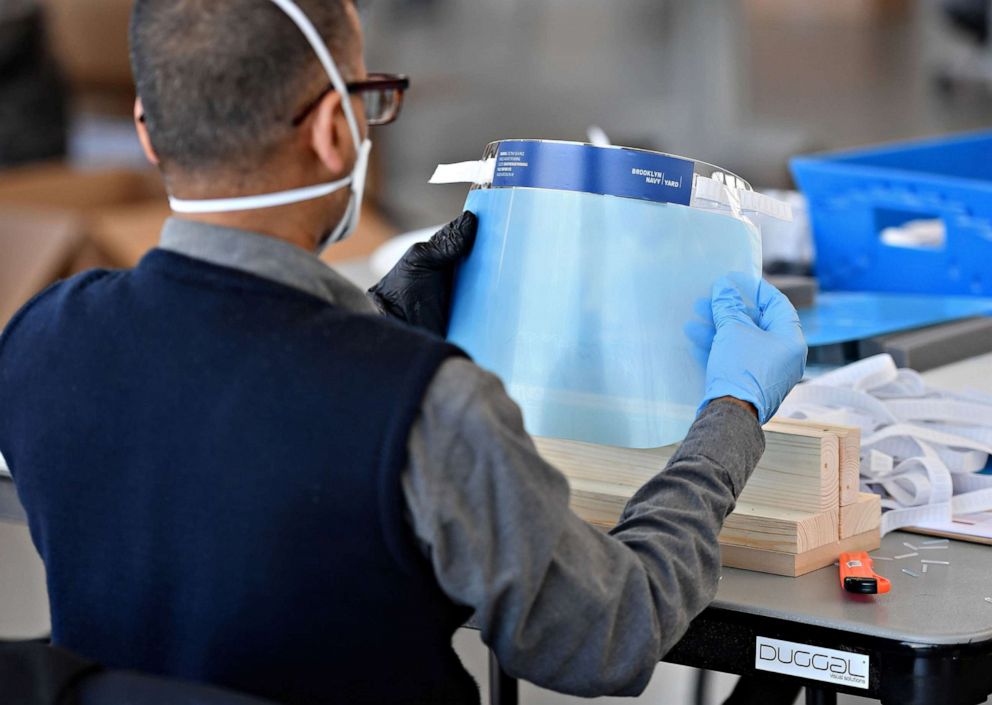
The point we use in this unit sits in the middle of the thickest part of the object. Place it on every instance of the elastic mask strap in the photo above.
(361, 169)
(320, 49)
(266, 200)
(707, 191)
(281, 198)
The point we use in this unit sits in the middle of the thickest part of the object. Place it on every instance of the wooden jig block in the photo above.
(864, 515)
(795, 564)
(849, 452)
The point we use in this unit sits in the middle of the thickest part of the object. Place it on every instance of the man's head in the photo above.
(219, 82)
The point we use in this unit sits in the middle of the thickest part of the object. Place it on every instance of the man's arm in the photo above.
(563, 604)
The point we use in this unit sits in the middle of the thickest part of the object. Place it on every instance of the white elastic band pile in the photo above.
(921, 447)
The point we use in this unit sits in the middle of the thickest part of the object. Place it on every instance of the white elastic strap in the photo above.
(921, 447)
(973, 395)
(476, 172)
(907, 384)
(917, 434)
(908, 444)
(877, 464)
(971, 483)
(878, 368)
(963, 461)
(841, 397)
(320, 49)
(707, 191)
(972, 502)
(914, 516)
(754, 202)
(268, 200)
(916, 481)
(307, 193)
(982, 434)
(357, 177)
(948, 410)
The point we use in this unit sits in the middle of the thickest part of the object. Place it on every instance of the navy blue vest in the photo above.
(210, 463)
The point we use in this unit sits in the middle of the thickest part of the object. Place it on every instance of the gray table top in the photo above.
(946, 605)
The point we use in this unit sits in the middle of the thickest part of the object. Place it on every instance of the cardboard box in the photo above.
(37, 249)
(121, 211)
(89, 37)
(373, 230)
(57, 185)
(93, 199)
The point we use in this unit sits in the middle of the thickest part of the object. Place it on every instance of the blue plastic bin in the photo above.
(854, 196)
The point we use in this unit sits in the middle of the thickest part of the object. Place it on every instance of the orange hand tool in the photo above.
(856, 574)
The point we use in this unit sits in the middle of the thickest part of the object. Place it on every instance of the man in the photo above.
(237, 472)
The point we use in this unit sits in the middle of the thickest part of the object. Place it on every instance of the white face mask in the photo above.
(355, 180)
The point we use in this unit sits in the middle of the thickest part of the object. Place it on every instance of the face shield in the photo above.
(589, 265)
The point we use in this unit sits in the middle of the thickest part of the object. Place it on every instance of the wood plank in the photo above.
(849, 459)
(787, 530)
(775, 529)
(850, 463)
(799, 470)
(795, 564)
(598, 503)
(631, 467)
(861, 516)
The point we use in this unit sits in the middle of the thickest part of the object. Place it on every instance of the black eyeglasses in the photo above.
(382, 95)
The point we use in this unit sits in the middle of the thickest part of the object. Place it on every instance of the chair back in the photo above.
(37, 673)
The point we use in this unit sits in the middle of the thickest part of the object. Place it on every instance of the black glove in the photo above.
(418, 289)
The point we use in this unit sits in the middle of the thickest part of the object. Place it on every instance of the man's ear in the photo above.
(329, 136)
(139, 125)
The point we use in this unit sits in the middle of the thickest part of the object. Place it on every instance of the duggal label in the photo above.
(812, 662)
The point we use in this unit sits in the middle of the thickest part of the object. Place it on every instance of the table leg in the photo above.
(820, 696)
(701, 691)
(503, 689)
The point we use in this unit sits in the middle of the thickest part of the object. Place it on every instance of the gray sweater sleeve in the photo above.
(564, 605)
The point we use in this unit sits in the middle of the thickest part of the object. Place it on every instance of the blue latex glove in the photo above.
(700, 331)
(758, 353)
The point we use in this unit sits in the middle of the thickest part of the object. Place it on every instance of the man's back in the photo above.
(217, 493)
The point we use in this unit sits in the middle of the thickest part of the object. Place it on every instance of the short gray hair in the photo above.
(220, 79)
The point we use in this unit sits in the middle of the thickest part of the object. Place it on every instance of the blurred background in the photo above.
(744, 84)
